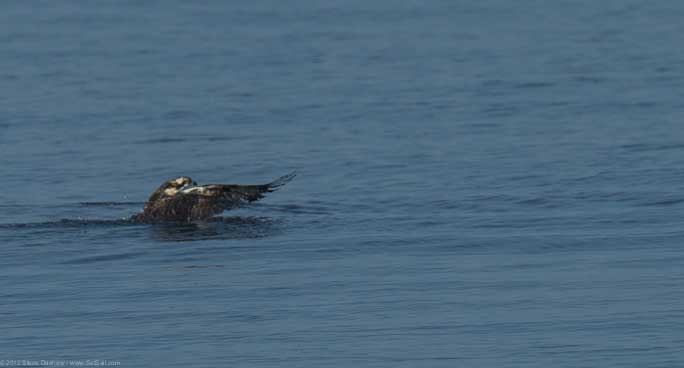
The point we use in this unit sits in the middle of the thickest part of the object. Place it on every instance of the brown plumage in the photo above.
(182, 200)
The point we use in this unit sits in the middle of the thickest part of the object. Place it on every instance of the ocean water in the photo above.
(481, 184)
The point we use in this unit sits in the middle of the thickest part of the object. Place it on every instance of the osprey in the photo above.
(182, 200)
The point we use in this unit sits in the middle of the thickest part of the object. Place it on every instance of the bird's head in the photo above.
(170, 188)
(173, 186)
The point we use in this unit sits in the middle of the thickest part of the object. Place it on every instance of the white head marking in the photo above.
(196, 190)
(170, 191)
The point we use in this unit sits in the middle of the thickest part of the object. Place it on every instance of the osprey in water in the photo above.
(182, 200)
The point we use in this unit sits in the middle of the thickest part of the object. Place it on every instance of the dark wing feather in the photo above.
(176, 208)
(212, 199)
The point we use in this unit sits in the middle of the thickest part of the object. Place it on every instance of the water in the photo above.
(481, 184)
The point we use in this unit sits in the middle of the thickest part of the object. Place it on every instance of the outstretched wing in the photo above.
(209, 200)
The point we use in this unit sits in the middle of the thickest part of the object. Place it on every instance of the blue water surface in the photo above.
(481, 184)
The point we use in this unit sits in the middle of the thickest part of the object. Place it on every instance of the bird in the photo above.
(183, 200)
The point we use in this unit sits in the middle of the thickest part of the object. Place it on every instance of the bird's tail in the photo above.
(281, 181)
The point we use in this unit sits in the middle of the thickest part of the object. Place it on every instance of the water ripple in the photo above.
(164, 140)
(647, 147)
(219, 228)
(110, 204)
(67, 223)
(103, 258)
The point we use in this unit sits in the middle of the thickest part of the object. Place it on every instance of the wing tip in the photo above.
(282, 180)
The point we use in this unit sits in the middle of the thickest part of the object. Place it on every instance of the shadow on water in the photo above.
(217, 228)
